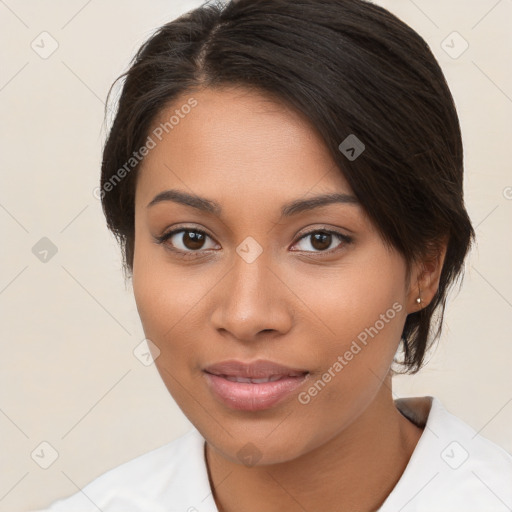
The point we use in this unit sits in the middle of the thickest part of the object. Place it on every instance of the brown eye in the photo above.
(186, 240)
(193, 240)
(321, 241)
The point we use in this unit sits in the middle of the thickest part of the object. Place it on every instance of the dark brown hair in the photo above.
(351, 67)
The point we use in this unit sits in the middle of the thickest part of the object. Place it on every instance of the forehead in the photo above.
(235, 141)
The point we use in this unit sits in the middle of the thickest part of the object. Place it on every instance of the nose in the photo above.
(253, 302)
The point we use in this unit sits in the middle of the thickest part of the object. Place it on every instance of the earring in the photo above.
(418, 300)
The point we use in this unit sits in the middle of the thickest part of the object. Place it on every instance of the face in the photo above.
(314, 289)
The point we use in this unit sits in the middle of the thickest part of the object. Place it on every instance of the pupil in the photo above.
(193, 240)
(321, 241)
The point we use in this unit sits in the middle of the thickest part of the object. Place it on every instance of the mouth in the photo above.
(251, 393)
(256, 371)
(271, 378)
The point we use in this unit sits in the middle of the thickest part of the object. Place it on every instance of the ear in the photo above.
(425, 276)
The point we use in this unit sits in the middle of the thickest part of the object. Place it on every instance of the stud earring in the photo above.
(418, 300)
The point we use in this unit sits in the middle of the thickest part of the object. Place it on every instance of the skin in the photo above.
(294, 304)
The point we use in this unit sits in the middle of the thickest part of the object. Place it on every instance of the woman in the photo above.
(285, 179)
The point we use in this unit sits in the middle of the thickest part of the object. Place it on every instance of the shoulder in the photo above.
(173, 473)
(453, 467)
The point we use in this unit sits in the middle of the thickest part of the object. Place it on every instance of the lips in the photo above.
(255, 386)
(259, 371)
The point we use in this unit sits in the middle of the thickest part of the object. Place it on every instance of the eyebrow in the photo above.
(289, 209)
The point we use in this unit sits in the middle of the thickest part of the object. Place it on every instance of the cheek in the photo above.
(165, 302)
(350, 301)
(152, 290)
(162, 293)
(362, 310)
(364, 314)
(170, 301)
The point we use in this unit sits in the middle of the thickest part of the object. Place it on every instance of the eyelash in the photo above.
(193, 254)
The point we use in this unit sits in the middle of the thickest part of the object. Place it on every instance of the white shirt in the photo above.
(451, 469)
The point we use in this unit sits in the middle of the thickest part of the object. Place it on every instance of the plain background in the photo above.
(69, 325)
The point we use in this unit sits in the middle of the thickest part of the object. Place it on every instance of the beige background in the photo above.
(69, 326)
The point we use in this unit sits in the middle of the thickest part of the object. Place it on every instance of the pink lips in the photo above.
(253, 394)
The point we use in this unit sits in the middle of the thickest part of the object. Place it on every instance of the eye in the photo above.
(185, 240)
(323, 239)
(190, 242)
